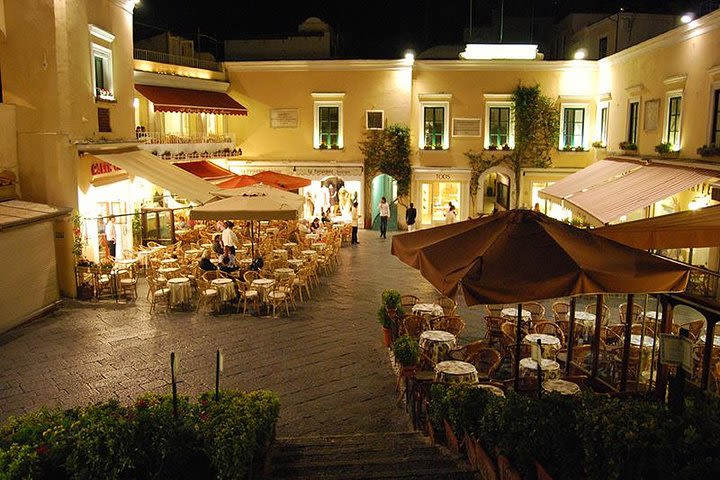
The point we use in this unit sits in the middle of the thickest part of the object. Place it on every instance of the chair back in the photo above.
(549, 327)
(495, 310)
(413, 325)
(486, 361)
(250, 275)
(637, 312)
(448, 305)
(454, 325)
(592, 307)
(561, 310)
(537, 310)
(408, 300)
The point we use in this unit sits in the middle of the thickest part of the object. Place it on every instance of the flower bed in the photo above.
(588, 436)
(227, 438)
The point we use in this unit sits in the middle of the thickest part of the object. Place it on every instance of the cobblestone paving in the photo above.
(326, 361)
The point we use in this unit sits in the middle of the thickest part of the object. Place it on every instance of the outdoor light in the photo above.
(409, 56)
(580, 54)
(687, 18)
(493, 51)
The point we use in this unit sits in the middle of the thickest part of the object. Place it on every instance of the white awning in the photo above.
(596, 174)
(161, 173)
(638, 189)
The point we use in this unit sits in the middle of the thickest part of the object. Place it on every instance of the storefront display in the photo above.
(433, 192)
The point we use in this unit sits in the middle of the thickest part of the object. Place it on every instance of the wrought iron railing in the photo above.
(176, 138)
(162, 57)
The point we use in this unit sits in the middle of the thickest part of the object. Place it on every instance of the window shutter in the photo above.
(104, 120)
(374, 119)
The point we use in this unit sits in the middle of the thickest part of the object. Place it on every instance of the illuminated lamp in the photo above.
(496, 51)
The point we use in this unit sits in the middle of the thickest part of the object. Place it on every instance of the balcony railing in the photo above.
(173, 138)
(162, 57)
(180, 147)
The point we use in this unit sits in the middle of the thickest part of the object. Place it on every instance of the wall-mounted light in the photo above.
(580, 54)
(687, 18)
(409, 57)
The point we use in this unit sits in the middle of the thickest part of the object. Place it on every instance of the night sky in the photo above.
(367, 28)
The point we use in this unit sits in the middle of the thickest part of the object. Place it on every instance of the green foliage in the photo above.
(383, 318)
(388, 151)
(711, 150)
(537, 130)
(391, 298)
(664, 148)
(78, 241)
(142, 441)
(406, 351)
(598, 144)
(479, 162)
(137, 228)
(628, 146)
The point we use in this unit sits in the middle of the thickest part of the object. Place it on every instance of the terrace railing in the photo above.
(162, 57)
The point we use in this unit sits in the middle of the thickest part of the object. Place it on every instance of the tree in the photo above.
(537, 129)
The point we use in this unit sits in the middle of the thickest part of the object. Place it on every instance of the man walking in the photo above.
(229, 238)
(410, 215)
(384, 208)
(354, 223)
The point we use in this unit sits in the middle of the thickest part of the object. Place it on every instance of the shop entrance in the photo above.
(384, 186)
(435, 198)
(158, 225)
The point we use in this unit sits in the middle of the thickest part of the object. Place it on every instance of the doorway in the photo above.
(384, 186)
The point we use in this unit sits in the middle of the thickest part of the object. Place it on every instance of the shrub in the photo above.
(664, 148)
(383, 318)
(406, 351)
(628, 146)
(711, 150)
(391, 298)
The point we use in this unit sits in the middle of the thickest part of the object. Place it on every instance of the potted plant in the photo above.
(579, 148)
(629, 148)
(407, 352)
(386, 323)
(391, 301)
(438, 146)
(598, 144)
(334, 146)
(506, 147)
(665, 149)
(427, 147)
(711, 150)
(323, 146)
(492, 147)
(567, 148)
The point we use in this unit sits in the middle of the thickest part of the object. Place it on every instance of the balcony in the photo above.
(180, 147)
(161, 57)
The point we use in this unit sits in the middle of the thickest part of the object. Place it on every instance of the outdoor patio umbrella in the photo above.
(522, 255)
(281, 180)
(255, 202)
(238, 181)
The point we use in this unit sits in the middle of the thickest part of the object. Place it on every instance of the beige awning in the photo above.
(160, 172)
(254, 202)
(596, 174)
(699, 228)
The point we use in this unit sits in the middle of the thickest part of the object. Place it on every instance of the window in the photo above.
(434, 126)
(604, 110)
(328, 126)
(715, 132)
(602, 47)
(102, 72)
(434, 121)
(672, 130)
(572, 135)
(498, 126)
(633, 114)
(374, 119)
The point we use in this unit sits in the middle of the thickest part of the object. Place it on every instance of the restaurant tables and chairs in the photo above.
(561, 310)
(550, 368)
(158, 294)
(281, 253)
(455, 371)
(225, 288)
(549, 327)
(312, 254)
(511, 312)
(289, 245)
(637, 312)
(318, 246)
(536, 309)
(560, 386)
(207, 294)
(126, 279)
(586, 322)
(263, 286)
(486, 362)
(412, 325)
(280, 273)
(454, 325)
(276, 296)
(181, 291)
(169, 272)
(592, 308)
(247, 294)
(296, 263)
(549, 344)
(435, 346)
(169, 262)
(427, 310)
(447, 304)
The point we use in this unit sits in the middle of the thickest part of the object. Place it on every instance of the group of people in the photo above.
(224, 244)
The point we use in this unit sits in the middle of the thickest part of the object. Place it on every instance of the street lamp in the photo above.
(687, 18)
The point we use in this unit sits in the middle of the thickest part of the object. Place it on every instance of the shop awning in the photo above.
(160, 172)
(696, 229)
(627, 187)
(170, 99)
(596, 174)
(205, 169)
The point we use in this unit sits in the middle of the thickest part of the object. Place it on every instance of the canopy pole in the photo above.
(626, 343)
(707, 350)
(518, 340)
(252, 239)
(666, 327)
(596, 337)
(571, 333)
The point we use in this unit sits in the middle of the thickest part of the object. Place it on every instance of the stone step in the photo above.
(364, 456)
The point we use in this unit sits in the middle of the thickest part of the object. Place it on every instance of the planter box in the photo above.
(454, 443)
(260, 464)
(479, 459)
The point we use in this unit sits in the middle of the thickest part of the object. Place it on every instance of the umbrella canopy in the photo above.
(280, 180)
(521, 255)
(698, 228)
(255, 202)
(238, 181)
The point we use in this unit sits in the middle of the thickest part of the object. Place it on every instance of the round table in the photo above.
(283, 272)
(512, 312)
(206, 245)
(549, 344)
(193, 252)
(296, 263)
(289, 244)
(648, 341)
(169, 261)
(273, 230)
(244, 262)
(455, 371)
(430, 309)
(550, 368)
(125, 261)
(309, 253)
(281, 252)
(168, 272)
(647, 345)
(716, 340)
(262, 285)
(651, 315)
(562, 387)
(492, 389)
(180, 290)
(317, 246)
(312, 236)
(436, 345)
(225, 288)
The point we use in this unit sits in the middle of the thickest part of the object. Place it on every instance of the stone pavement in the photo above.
(326, 361)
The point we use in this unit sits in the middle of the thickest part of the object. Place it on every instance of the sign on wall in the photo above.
(652, 110)
(284, 118)
(466, 127)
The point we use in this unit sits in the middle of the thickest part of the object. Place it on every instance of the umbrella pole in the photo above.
(252, 239)
(596, 336)
(518, 341)
(571, 335)
(626, 344)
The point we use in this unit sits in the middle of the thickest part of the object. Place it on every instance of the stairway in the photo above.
(406, 455)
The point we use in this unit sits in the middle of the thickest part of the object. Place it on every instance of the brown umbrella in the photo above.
(522, 255)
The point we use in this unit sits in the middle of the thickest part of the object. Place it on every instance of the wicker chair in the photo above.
(158, 295)
(564, 326)
(493, 333)
(207, 295)
(454, 325)
(467, 351)
(494, 310)
(561, 310)
(277, 297)
(592, 307)
(413, 325)
(537, 310)
(550, 328)
(695, 327)
(448, 305)
(408, 300)
(637, 312)
(580, 353)
(638, 328)
(486, 361)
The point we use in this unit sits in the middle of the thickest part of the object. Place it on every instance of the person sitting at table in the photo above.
(217, 244)
(181, 224)
(205, 263)
(226, 261)
(315, 225)
(325, 216)
(303, 227)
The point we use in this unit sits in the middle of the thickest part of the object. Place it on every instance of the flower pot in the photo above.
(409, 372)
(542, 474)
(453, 442)
(387, 337)
(479, 459)
(392, 312)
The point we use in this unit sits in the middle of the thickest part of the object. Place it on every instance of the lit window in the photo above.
(633, 115)
(573, 135)
(102, 72)
(672, 129)
(715, 133)
(328, 125)
(499, 126)
(434, 126)
(434, 121)
(604, 112)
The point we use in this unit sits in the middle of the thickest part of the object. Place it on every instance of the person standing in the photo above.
(451, 214)
(384, 208)
(355, 217)
(410, 216)
(229, 238)
(111, 235)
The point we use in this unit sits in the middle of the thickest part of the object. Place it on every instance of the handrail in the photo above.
(162, 57)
